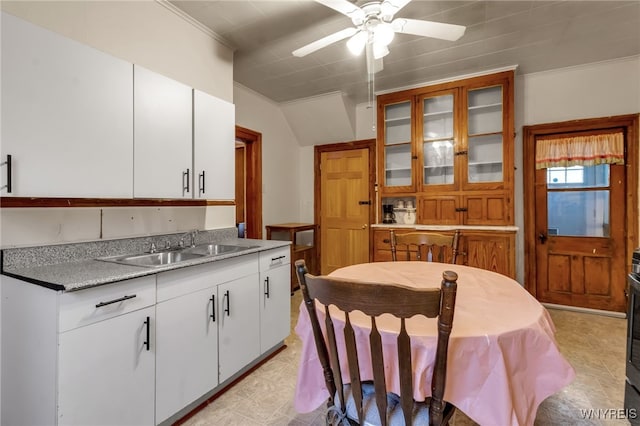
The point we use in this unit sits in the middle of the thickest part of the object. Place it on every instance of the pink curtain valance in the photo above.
(585, 150)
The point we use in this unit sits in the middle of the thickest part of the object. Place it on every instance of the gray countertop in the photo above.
(58, 273)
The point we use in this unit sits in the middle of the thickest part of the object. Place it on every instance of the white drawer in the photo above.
(194, 278)
(276, 257)
(83, 307)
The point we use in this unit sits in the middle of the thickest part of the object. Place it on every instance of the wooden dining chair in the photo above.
(427, 246)
(359, 401)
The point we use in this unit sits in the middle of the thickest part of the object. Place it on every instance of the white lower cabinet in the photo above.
(239, 339)
(275, 297)
(187, 356)
(208, 329)
(78, 358)
(106, 372)
(140, 351)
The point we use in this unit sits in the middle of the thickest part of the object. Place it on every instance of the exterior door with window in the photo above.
(580, 222)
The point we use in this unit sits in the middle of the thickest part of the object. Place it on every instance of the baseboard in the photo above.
(585, 310)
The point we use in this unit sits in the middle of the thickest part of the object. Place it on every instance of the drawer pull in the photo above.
(8, 164)
(122, 299)
(148, 324)
(275, 259)
(213, 308)
(266, 287)
(228, 308)
(185, 182)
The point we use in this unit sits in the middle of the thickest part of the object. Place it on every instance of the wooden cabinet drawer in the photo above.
(83, 307)
(276, 257)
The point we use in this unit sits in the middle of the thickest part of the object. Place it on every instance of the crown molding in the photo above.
(197, 24)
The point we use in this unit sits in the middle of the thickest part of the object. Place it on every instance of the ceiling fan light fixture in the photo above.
(379, 50)
(383, 34)
(357, 43)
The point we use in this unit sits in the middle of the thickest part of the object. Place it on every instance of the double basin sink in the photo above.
(171, 257)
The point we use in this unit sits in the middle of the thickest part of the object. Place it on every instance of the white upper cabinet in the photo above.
(213, 147)
(67, 116)
(162, 137)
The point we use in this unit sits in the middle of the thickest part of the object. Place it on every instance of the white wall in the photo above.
(281, 169)
(150, 34)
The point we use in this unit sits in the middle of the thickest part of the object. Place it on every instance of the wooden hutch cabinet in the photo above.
(451, 147)
(448, 149)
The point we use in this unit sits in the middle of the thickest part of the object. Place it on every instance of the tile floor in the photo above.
(593, 344)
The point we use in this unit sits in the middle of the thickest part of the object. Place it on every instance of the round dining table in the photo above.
(503, 359)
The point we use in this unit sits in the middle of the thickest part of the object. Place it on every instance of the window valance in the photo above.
(583, 150)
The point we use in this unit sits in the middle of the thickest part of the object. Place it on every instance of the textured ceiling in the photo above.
(534, 35)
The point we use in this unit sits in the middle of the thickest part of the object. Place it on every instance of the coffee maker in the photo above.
(387, 214)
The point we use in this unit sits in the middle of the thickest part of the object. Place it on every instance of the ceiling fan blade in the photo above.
(388, 8)
(324, 42)
(432, 29)
(346, 8)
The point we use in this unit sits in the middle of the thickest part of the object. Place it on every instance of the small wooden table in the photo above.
(298, 251)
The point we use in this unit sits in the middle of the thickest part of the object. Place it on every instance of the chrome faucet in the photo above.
(194, 234)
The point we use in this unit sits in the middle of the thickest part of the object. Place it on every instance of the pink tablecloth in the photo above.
(503, 358)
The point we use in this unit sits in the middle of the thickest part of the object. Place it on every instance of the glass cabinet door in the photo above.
(437, 140)
(397, 145)
(485, 135)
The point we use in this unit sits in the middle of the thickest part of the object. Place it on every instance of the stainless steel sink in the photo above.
(154, 259)
(172, 257)
(216, 249)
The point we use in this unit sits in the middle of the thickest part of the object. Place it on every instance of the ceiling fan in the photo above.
(374, 28)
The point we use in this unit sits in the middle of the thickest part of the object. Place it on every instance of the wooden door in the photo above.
(345, 208)
(240, 183)
(580, 239)
(251, 192)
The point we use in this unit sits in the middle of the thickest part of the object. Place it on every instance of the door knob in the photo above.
(364, 226)
(542, 237)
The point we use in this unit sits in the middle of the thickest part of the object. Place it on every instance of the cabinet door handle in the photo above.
(148, 324)
(213, 308)
(185, 182)
(227, 309)
(8, 164)
(110, 302)
(201, 182)
(266, 287)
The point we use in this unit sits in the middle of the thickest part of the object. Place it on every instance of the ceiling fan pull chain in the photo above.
(371, 84)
